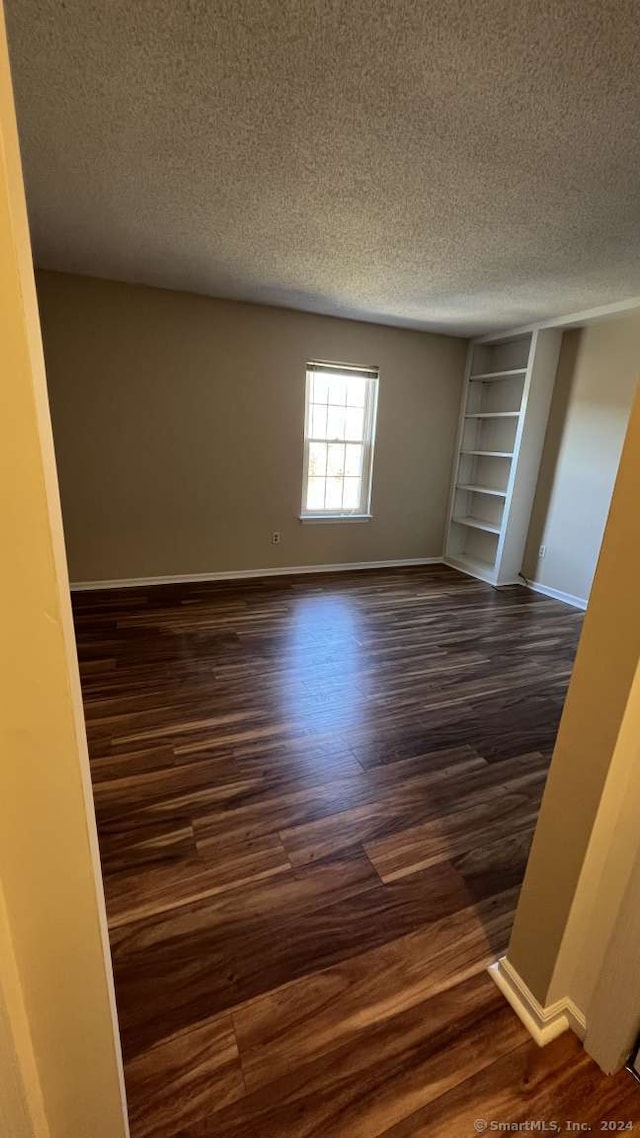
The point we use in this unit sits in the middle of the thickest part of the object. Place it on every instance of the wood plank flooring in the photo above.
(315, 799)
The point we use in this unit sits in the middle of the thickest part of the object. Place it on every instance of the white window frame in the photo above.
(363, 510)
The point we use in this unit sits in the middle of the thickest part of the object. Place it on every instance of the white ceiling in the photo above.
(461, 165)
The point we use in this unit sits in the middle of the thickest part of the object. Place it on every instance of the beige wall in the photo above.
(597, 375)
(178, 426)
(589, 769)
(58, 1039)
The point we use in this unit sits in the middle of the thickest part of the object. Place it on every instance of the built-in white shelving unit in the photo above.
(492, 415)
(505, 406)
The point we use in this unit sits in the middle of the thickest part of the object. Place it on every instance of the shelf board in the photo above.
(481, 489)
(492, 414)
(490, 453)
(487, 376)
(475, 566)
(477, 523)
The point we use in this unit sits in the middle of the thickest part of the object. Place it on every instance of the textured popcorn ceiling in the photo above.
(453, 164)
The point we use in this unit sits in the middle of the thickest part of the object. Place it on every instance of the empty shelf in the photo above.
(478, 523)
(490, 453)
(481, 489)
(476, 566)
(491, 414)
(486, 376)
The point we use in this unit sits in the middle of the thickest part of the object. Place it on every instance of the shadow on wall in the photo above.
(565, 380)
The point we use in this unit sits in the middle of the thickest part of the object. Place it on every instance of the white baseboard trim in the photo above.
(242, 574)
(543, 1023)
(558, 595)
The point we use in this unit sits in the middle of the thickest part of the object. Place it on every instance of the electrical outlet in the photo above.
(542, 552)
(276, 537)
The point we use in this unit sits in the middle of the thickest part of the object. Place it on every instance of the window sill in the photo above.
(313, 518)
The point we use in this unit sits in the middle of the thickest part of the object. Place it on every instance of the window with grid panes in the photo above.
(339, 434)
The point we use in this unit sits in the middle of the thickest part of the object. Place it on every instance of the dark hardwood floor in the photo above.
(315, 798)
